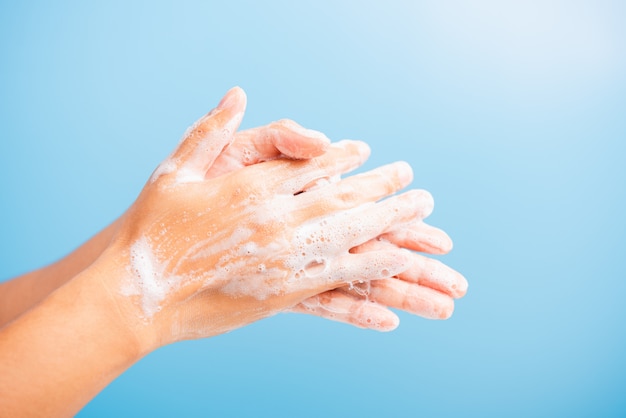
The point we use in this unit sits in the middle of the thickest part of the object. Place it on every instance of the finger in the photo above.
(292, 177)
(341, 157)
(436, 275)
(284, 138)
(321, 273)
(341, 307)
(420, 237)
(412, 298)
(294, 141)
(348, 228)
(362, 188)
(208, 137)
(424, 271)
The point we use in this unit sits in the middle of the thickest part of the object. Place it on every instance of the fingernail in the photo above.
(231, 97)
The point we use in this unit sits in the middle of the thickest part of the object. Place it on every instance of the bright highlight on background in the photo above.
(532, 42)
(511, 113)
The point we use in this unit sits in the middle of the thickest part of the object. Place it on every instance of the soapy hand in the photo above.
(201, 256)
(353, 304)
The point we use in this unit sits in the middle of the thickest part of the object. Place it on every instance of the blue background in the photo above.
(513, 114)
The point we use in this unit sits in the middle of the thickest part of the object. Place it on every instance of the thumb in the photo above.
(205, 140)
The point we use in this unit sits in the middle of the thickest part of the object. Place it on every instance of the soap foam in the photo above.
(311, 253)
(147, 278)
(166, 167)
(204, 153)
(250, 264)
(219, 243)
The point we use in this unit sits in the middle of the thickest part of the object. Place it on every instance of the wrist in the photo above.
(105, 279)
(72, 344)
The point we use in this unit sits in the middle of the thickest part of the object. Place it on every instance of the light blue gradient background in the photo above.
(513, 114)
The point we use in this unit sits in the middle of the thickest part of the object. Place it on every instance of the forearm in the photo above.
(23, 292)
(60, 354)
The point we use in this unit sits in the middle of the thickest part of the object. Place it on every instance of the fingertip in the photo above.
(423, 201)
(359, 147)
(435, 241)
(377, 317)
(405, 172)
(233, 97)
(305, 132)
(208, 137)
(446, 310)
(446, 244)
(460, 289)
(297, 142)
(392, 322)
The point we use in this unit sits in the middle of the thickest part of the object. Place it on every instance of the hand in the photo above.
(284, 139)
(199, 256)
